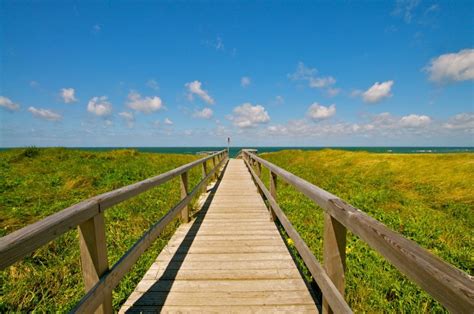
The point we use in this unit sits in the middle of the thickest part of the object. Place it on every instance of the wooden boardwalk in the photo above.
(231, 258)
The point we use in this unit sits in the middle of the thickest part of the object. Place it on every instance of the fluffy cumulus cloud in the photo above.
(205, 113)
(45, 114)
(248, 116)
(8, 104)
(128, 117)
(100, 106)
(378, 92)
(194, 88)
(384, 124)
(245, 81)
(452, 67)
(462, 121)
(144, 104)
(415, 121)
(168, 121)
(68, 95)
(320, 112)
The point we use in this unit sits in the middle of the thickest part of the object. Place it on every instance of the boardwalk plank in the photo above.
(231, 258)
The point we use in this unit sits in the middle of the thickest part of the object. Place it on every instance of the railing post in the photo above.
(184, 193)
(334, 255)
(204, 170)
(93, 247)
(273, 192)
(214, 165)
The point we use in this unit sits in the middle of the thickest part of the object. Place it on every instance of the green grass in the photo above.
(35, 183)
(427, 198)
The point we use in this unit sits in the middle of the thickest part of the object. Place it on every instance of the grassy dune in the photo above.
(427, 198)
(35, 183)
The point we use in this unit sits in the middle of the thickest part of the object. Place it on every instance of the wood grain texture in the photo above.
(94, 260)
(452, 287)
(22, 242)
(230, 258)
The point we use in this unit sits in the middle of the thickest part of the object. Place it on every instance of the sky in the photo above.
(266, 73)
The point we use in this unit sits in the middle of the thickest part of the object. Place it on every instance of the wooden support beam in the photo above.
(204, 170)
(334, 255)
(92, 243)
(273, 191)
(184, 193)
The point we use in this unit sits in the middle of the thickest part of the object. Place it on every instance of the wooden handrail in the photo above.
(88, 216)
(111, 279)
(19, 243)
(329, 290)
(449, 285)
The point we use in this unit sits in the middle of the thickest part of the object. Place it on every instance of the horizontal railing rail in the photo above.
(88, 216)
(452, 287)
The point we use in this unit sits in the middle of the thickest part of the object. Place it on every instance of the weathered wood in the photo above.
(93, 248)
(204, 170)
(270, 309)
(273, 192)
(334, 255)
(22, 242)
(111, 279)
(222, 259)
(329, 290)
(184, 193)
(450, 286)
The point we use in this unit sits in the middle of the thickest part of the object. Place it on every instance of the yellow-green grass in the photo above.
(427, 198)
(35, 183)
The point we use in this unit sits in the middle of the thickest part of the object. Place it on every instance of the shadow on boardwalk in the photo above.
(159, 291)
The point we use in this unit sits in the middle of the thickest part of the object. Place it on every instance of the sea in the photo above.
(233, 151)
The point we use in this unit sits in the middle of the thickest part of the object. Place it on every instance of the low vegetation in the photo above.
(35, 183)
(427, 198)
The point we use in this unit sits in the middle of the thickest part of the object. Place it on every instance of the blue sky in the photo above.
(344, 73)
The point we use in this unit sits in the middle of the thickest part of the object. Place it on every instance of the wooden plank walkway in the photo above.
(231, 258)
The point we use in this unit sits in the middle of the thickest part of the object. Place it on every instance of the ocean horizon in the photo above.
(233, 150)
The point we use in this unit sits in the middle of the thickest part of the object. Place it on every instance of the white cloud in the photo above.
(461, 121)
(8, 104)
(146, 104)
(452, 67)
(245, 81)
(168, 121)
(319, 112)
(304, 73)
(414, 121)
(128, 117)
(68, 95)
(321, 82)
(378, 92)
(100, 106)
(405, 8)
(194, 88)
(153, 84)
(205, 113)
(247, 116)
(45, 114)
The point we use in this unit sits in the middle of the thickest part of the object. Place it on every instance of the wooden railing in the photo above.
(452, 287)
(88, 216)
